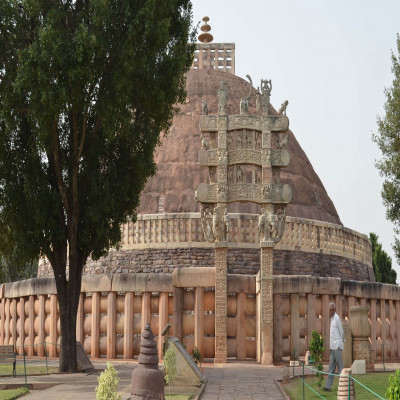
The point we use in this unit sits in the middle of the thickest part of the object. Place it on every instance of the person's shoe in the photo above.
(325, 389)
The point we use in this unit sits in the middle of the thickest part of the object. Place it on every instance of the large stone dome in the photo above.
(168, 233)
(179, 172)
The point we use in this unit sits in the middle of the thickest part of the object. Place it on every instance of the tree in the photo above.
(388, 140)
(316, 347)
(14, 265)
(381, 262)
(12, 269)
(170, 367)
(86, 87)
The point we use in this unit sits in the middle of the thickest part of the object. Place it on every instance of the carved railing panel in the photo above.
(184, 230)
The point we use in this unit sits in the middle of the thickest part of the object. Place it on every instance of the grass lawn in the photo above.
(177, 396)
(6, 369)
(12, 394)
(377, 382)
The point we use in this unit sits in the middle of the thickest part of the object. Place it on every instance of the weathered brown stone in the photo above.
(240, 261)
(179, 173)
(147, 379)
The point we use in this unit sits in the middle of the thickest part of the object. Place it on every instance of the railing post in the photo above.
(303, 382)
(26, 383)
(45, 353)
(348, 385)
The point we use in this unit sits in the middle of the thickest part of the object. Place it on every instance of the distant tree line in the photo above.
(381, 262)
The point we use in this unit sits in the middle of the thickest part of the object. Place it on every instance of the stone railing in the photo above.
(218, 56)
(184, 230)
(114, 309)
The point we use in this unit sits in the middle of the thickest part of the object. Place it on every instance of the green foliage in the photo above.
(376, 381)
(15, 265)
(196, 355)
(108, 384)
(170, 367)
(86, 88)
(12, 269)
(393, 391)
(11, 394)
(316, 347)
(381, 262)
(388, 140)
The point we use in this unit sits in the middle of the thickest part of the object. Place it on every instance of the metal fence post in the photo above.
(26, 383)
(348, 386)
(45, 353)
(303, 381)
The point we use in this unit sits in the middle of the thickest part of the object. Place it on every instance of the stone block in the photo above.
(147, 282)
(358, 367)
(82, 360)
(329, 286)
(293, 284)
(194, 277)
(96, 283)
(241, 284)
(30, 287)
(188, 371)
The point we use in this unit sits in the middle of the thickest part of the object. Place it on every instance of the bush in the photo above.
(196, 355)
(393, 391)
(316, 350)
(108, 383)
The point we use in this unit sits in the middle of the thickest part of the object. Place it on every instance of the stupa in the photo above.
(168, 232)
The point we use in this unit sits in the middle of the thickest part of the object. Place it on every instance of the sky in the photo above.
(332, 61)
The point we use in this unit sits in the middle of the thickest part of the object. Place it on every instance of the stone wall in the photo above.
(162, 242)
(114, 309)
(240, 261)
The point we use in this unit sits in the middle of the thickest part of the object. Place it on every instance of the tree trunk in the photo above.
(68, 298)
(68, 313)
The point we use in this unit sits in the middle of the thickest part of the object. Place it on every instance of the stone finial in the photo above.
(147, 379)
(205, 37)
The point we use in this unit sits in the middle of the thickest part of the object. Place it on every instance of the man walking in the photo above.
(336, 346)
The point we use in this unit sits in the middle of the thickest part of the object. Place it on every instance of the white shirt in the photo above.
(337, 334)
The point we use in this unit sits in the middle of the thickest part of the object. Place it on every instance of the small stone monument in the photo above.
(360, 331)
(343, 389)
(147, 379)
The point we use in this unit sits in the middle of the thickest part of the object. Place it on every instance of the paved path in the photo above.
(242, 381)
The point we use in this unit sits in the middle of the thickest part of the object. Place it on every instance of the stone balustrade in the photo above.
(184, 230)
(218, 56)
(113, 310)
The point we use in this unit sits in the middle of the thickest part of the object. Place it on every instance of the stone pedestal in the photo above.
(266, 297)
(220, 301)
(343, 389)
(362, 350)
(360, 331)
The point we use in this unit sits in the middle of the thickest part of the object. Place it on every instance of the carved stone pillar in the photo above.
(244, 161)
(267, 305)
(220, 301)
